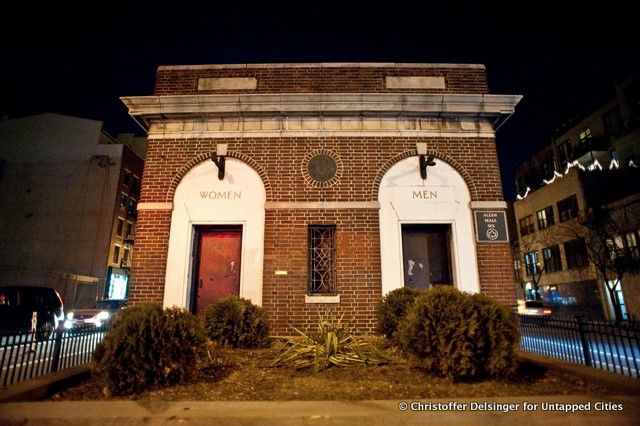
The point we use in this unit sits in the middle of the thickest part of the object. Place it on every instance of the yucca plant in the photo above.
(333, 345)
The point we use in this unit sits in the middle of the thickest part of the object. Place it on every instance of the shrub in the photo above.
(460, 335)
(333, 345)
(393, 308)
(148, 346)
(236, 322)
(500, 336)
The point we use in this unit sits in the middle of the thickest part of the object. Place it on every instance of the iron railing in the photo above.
(26, 355)
(605, 345)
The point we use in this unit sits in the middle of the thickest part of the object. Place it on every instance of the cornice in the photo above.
(320, 104)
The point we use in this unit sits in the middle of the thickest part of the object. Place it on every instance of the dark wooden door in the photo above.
(425, 255)
(218, 276)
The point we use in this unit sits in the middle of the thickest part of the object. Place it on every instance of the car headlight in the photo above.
(70, 316)
(103, 315)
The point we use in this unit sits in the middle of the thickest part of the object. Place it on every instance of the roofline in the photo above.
(321, 65)
(497, 107)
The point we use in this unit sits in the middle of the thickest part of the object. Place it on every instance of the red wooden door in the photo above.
(218, 265)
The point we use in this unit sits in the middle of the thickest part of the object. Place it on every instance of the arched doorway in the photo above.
(426, 228)
(216, 239)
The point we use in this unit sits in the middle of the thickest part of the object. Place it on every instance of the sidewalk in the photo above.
(549, 410)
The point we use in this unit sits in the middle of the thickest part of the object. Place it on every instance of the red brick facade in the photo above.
(363, 162)
(171, 81)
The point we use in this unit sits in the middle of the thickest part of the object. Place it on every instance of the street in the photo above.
(22, 357)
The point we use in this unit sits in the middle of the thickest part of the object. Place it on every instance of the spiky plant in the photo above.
(332, 345)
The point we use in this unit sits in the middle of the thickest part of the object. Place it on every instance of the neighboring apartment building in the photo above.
(592, 163)
(306, 187)
(68, 198)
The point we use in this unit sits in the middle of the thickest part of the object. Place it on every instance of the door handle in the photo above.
(200, 284)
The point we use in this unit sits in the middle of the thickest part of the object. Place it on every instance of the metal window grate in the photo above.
(322, 259)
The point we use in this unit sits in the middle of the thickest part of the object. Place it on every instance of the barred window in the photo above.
(322, 259)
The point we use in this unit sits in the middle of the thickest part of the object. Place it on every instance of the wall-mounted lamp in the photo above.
(218, 158)
(425, 160)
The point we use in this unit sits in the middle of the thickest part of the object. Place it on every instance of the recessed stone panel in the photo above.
(415, 82)
(228, 83)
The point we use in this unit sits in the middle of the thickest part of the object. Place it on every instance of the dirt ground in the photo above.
(247, 375)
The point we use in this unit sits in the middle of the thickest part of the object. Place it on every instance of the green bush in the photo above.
(459, 335)
(236, 322)
(148, 346)
(393, 308)
(499, 336)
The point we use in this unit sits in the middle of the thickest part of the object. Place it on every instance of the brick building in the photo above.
(341, 183)
(68, 194)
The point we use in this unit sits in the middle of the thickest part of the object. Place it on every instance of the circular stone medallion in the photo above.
(322, 167)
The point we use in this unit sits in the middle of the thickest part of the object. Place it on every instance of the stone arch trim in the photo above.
(411, 153)
(207, 156)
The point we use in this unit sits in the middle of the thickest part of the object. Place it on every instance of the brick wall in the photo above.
(357, 266)
(150, 260)
(184, 81)
(278, 160)
(364, 162)
(495, 267)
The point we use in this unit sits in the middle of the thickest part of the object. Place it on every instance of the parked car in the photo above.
(533, 307)
(18, 303)
(101, 314)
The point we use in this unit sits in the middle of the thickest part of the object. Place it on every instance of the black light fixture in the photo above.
(425, 160)
(218, 158)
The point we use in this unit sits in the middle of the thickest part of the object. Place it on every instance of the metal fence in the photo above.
(605, 345)
(25, 356)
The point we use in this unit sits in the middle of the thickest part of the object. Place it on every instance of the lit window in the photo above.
(545, 217)
(322, 260)
(125, 257)
(585, 135)
(531, 263)
(551, 257)
(615, 247)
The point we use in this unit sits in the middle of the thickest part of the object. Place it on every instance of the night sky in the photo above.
(79, 60)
